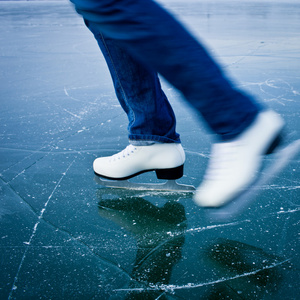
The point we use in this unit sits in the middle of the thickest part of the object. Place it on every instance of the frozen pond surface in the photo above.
(63, 236)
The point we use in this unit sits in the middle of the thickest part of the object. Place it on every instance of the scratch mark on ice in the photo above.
(14, 286)
(32, 152)
(171, 287)
(72, 114)
(199, 229)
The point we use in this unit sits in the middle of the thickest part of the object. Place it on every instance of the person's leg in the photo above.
(153, 36)
(154, 143)
(151, 117)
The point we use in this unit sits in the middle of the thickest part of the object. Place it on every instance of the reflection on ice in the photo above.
(257, 271)
(159, 234)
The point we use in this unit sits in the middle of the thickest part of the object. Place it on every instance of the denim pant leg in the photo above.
(150, 34)
(138, 89)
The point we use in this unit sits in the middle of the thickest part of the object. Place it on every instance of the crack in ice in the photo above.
(199, 229)
(171, 287)
(14, 286)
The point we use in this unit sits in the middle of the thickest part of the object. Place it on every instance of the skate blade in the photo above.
(169, 186)
(239, 204)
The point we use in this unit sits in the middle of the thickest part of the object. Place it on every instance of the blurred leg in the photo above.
(152, 36)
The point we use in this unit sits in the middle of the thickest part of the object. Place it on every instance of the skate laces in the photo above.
(124, 153)
(222, 160)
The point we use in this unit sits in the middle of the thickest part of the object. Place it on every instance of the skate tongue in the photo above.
(170, 185)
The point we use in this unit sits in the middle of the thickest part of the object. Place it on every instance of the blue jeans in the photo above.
(139, 38)
(150, 115)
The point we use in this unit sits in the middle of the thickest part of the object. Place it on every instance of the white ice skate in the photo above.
(166, 159)
(234, 165)
(281, 159)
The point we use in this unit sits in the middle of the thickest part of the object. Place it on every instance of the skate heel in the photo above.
(276, 142)
(170, 174)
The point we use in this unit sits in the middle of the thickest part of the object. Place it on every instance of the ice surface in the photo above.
(63, 236)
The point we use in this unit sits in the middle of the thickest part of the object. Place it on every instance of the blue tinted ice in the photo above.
(62, 236)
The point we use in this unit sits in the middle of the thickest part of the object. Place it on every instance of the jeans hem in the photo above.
(152, 138)
(243, 126)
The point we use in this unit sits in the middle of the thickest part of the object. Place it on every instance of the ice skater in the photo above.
(140, 39)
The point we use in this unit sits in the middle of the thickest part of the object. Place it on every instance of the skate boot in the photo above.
(234, 165)
(166, 159)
